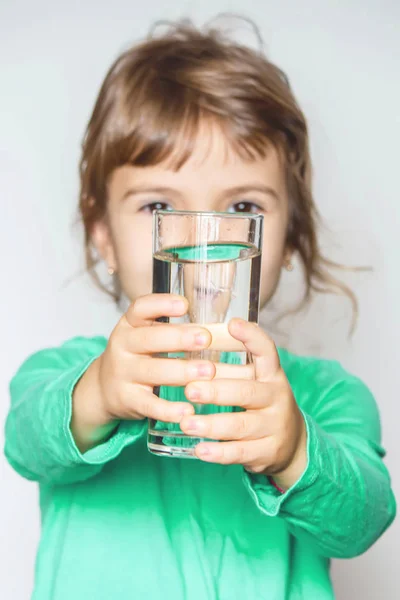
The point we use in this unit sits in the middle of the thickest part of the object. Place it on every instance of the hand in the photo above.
(119, 384)
(270, 435)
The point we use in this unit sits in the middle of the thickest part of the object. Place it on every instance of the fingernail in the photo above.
(204, 370)
(186, 411)
(195, 426)
(201, 339)
(191, 425)
(193, 393)
(238, 323)
(203, 451)
(178, 305)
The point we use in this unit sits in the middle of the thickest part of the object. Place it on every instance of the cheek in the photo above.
(270, 275)
(134, 256)
(272, 259)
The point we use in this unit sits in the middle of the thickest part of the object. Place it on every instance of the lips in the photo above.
(209, 293)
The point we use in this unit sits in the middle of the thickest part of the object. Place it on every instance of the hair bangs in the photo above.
(165, 127)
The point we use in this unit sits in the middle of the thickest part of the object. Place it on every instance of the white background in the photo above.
(343, 59)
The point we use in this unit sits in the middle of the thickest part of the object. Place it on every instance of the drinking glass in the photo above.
(214, 260)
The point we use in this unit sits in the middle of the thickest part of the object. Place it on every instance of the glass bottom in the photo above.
(168, 439)
(166, 443)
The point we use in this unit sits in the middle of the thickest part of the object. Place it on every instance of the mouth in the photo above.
(210, 293)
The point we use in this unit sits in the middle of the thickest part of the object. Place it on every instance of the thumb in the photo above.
(259, 345)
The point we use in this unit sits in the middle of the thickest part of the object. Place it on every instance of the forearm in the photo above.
(39, 442)
(286, 478)
(347, 502)
(342, 502)
(90, 425)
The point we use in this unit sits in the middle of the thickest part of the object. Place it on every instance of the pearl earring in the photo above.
(111, 271)
(289, 265)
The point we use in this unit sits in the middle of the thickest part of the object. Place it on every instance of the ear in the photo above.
(102, 240)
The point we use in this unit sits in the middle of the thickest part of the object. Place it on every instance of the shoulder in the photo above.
(324, 389)
(299, 369)
(315, 371)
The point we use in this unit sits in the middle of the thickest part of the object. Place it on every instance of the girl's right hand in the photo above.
(119, 384)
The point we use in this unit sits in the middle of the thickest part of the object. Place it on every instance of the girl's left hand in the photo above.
(269, 436)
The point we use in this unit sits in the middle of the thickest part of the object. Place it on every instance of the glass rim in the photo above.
(208, 213)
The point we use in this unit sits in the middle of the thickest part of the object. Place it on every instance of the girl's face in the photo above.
(213, 179)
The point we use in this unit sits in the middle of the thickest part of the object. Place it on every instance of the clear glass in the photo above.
(214, 260)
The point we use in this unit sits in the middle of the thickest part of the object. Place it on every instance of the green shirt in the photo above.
(119, 522)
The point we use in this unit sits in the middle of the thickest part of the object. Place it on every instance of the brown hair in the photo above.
(149, 109)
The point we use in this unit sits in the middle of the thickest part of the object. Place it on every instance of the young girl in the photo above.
(192, 121)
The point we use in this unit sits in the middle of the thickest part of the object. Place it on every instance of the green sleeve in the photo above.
(38, 441)
(343, 502)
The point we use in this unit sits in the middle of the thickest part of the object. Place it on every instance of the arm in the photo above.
(39, 443)
(76, 407)
(343, 501)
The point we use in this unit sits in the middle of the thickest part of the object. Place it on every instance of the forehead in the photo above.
(212, 163)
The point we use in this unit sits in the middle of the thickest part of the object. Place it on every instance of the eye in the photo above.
(157, 205)
(245, 206)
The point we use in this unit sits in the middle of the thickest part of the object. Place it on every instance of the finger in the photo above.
(260, 345)
(246, 425)
(222, 340)
(229, 392)
(167, 338)
(153, 306)
(245, 452)
(225, 371)
(150, 406)
(170, 371)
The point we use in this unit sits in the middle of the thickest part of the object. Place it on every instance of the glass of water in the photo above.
(214, 260)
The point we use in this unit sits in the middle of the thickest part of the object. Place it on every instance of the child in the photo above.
(192, 121)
